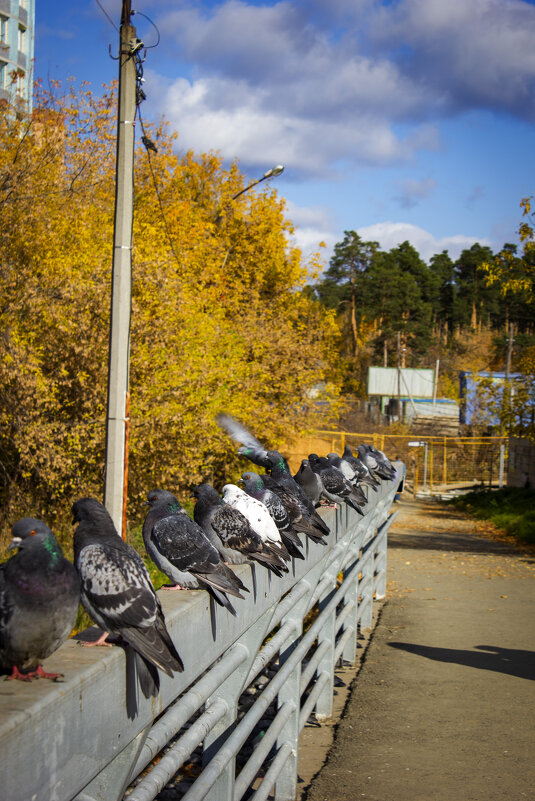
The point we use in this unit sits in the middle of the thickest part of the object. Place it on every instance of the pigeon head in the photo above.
(276, 461)
(159, 497)
(232, 491)
(205, 491)
(90, 509)
(253, 479)
(28, 531)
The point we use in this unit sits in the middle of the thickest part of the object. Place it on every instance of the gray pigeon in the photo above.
(336, 488)
(375, 463)
(298, 513)
(364, 475)
(254, 486)
(280, 473)
(118, 594)
(384, 462)
(251, 447)
(181, 549)
(310, 482)
(39, 599)
(230, 532)
(350, 474)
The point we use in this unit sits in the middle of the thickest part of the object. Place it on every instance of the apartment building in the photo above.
(17, 25)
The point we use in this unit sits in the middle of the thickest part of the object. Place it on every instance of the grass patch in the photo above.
(512, 509)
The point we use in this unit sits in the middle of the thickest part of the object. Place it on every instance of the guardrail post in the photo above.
(286, 782)
(351, 573)
(230, 691)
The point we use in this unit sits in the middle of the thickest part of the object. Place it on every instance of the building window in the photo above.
(22, 3)
(3, 75)
(3, 29)
(22, 39)
(20, 83)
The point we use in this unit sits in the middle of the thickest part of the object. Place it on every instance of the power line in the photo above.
(99, 4)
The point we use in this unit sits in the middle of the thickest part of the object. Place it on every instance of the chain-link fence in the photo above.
(432, 462)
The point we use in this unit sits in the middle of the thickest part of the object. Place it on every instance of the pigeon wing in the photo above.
(184, 544)
(234, 530)
(117, 589)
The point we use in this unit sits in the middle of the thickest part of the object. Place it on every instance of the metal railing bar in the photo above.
(235, 741)
(343, 614)
(289, 601)
(172, 721)
(310, 703)
(312, 664)
(254, 763)
(270, 649)
(340, 645)
(273, 773)
(159, 776)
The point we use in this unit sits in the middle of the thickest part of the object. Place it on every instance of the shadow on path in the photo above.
(512, 661)
(431, 541)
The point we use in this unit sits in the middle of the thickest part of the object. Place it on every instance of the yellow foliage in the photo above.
(219, 321)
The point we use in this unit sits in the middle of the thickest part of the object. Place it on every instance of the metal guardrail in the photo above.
(77, 740)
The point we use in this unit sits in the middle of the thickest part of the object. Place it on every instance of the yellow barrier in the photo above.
(450, 460)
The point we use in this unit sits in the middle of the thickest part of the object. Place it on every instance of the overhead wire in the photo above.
(147, 142)
(99, 4)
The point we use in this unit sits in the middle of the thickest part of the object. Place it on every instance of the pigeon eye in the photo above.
(33, 533)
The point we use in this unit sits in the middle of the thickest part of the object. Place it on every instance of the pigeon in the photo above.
(230, 532)
(117, 592)
(349, 473)
(254, 486)
(39, 599)
(280, 472)
(251, 447)
(297, 512)
(258, 516)
(364, 475)
(343, 465)
(336, 488)
(310, 482)
(181, 549)
(277, 466)
(375, 464)
(383, 461)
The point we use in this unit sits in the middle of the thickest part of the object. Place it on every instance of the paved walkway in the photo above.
(443, 708)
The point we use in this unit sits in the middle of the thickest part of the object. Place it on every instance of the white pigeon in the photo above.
(257, 514)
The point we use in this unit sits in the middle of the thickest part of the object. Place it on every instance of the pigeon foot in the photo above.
(171, 587)
(38, 673)
(101, 641)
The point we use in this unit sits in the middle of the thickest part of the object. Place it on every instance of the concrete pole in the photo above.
(114, 482)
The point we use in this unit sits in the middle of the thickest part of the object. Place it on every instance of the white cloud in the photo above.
(390, 235)
(313, 224)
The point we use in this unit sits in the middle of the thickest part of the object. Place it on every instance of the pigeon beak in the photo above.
(15, 542)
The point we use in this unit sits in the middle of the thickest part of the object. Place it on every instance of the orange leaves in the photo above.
(218, 318)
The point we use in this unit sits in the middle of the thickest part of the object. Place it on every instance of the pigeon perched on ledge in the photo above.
(118, 594)
(335, 487)
(181, 549)
(254, 486)
(231, 533)
(39, 598)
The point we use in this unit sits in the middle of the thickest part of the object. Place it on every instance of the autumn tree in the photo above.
(219, 319)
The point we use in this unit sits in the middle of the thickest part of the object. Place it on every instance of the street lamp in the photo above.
(272, 173)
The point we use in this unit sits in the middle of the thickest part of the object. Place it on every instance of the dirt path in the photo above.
(443, 707)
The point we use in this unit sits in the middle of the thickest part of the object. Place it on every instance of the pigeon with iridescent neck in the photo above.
(39, 599)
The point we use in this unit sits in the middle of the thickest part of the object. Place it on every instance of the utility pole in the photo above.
(119, 349)
(507, 387)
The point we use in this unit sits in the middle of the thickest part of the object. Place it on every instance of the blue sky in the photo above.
(402, 119)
